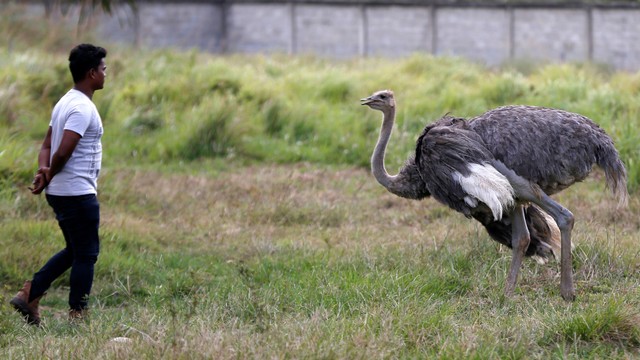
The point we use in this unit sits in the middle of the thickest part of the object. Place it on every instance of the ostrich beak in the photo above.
(366, 101)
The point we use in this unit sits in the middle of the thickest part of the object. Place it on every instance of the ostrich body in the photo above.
(500, 169)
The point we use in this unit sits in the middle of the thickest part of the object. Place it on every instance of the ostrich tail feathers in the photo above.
(618, 184)
(616, 174)
(543, 230)
(546, 233)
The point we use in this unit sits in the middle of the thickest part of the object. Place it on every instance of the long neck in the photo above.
(377, 159)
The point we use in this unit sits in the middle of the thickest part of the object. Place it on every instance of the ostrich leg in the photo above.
(564, 219)
(519, 242)
(528, 191)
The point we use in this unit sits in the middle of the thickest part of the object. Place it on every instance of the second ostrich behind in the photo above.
(500, 169)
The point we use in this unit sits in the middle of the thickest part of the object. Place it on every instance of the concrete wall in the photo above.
(248, 33)
(398, 30)
(616, 38)
(479, 34)
(563, 36)
(491, 34)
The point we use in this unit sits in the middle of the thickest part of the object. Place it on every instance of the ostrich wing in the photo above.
(456, 168)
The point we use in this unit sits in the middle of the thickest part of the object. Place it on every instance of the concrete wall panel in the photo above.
(334, 31)
(557, 35)
(259, 28)
(181, 25)
(475, 33)
(398, 31)
(616, 38)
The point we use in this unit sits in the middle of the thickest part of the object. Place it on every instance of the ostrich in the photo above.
(500, 169)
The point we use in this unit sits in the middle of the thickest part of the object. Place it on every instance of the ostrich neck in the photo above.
(377, 160)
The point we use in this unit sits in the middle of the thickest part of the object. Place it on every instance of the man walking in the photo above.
(69, 164)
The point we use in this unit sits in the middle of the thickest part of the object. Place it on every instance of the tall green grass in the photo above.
(164, 106)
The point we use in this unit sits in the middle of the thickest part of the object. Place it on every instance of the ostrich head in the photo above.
(381, 100)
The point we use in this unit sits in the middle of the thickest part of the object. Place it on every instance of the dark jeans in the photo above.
(79, 219)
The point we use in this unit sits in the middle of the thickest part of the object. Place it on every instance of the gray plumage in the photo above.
(444, 148)
(550, 147)
(499, 168)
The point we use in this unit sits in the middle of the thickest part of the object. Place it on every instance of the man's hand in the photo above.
(40, 181)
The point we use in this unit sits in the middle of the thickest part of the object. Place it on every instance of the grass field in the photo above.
(239, 219)
(210, 260)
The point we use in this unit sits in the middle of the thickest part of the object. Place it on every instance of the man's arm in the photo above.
(69, 142)
(45, 150)
(48, 170)
(39, 181)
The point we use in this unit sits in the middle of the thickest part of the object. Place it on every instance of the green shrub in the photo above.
(207, 134)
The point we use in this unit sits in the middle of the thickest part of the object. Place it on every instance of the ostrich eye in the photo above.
(383, 97)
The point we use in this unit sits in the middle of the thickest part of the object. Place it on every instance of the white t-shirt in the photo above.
(76, 112)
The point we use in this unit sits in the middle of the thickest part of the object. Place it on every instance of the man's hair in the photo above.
(83, 58)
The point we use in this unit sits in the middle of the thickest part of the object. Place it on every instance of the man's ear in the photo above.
(92, 73)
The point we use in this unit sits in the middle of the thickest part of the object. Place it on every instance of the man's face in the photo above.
(98, 75)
